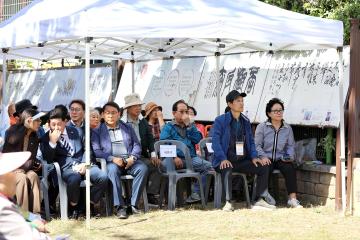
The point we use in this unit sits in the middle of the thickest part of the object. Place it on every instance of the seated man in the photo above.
(234, 151)
(63, 144)
(132, 110)
(182, 130)
(116, 142)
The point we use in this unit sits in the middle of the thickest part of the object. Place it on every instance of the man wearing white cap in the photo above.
(13, 224)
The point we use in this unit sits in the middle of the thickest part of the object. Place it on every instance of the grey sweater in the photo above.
(274, 144)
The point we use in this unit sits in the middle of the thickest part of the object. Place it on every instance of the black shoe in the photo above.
(135, 211)
(95, 210)
(153, 199)
(122, 214)
(74, 214)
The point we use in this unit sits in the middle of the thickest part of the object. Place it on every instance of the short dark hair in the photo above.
(271, 103)
(192, 108)
(175, 105)
(78, 101)
(56, 113)
(111, 104)
(64, 110)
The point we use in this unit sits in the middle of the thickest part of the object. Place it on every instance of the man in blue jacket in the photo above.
(234, 150)
(116, 142)
(183, 130)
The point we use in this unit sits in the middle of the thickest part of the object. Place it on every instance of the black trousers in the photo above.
(288, 171)
(247, 167)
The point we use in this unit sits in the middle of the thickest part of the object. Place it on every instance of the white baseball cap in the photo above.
(11, 161)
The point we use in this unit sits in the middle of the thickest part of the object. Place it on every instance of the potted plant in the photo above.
(328, 143)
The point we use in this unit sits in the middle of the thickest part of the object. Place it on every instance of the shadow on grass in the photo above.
(128, 237)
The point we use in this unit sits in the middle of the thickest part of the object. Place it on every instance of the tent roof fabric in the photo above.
(142, 30)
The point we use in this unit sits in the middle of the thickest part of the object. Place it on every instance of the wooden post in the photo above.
(354, 109)
(338, 198)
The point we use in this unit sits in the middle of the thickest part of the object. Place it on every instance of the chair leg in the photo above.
(172, 193)
(226, 185)
(162, 190)
(45, 190)
(201, 192)
(63, 201)
(108, 201)
(217, 191)
(246, 188)
(145, 200)
(207, 189)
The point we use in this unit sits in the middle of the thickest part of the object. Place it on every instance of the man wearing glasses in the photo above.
(77, 113)
(181, 129)
(117, 143)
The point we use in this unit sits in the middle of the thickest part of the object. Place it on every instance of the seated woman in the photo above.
(274, 141)
(154, 116)
(22, 137)
(94, 118)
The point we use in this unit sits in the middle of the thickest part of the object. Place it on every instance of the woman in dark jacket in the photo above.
(22, 137)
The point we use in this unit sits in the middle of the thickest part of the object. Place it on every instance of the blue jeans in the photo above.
(200, 165)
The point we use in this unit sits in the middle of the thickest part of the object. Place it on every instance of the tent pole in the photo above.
(218, 87)
(4, 73)
(132, 76)
(87, 127)
(342, 128)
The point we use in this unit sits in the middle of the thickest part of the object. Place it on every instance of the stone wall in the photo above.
(315, 183)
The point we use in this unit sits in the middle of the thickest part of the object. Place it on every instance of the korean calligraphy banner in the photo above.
(47, 88)
(307, 82)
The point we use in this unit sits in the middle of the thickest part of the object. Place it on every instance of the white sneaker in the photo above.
(229, 207)
(294, 203)
(261, 204)
(194, 197)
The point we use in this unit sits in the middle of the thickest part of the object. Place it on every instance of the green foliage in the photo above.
(327, 142)
(342, 10)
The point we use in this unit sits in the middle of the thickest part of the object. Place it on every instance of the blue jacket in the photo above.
(193, 136)
(220, 133)
(101, 142)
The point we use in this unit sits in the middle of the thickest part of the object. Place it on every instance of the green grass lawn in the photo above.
(190, 223)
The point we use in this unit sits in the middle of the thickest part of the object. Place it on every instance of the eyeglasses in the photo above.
(110, 113)
(183, 112)
(75, 109)
(277, 111)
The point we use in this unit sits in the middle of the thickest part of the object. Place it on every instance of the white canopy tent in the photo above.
(155, 29)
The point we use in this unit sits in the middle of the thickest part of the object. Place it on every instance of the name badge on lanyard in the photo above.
(239, 148)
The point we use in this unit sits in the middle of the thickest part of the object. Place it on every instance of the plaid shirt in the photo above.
(155, 129)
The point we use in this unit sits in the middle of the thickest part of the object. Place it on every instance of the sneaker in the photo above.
(122, 214)
(294, 203)
(229, 207)
(135, 210)
(261, 204)
(268, 198)
(194, 197)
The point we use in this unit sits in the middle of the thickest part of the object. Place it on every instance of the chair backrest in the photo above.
(203, 149)
(179, 146)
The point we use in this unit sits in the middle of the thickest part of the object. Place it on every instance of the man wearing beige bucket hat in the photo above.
(12, 221)
(132, 110)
